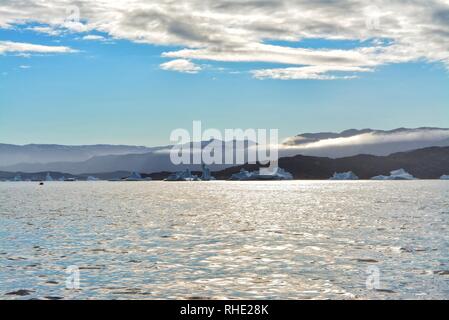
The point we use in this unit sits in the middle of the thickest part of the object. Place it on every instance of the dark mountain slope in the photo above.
(428, 163)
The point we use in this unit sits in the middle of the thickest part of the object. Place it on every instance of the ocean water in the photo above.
(236, 240)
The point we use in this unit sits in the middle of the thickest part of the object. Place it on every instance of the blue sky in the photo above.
(115, 91)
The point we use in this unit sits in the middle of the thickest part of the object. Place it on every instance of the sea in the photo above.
(225, 240)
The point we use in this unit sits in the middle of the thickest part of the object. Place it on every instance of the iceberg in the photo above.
(17, 178)
(400, 174)
(279, 174)
(135, 176)
(48, 177)
(188, 176)
(91, 178)
(444, 177)
(182, 176)
(206, 176)
(243, 175)
(381, 178)
(344, 176)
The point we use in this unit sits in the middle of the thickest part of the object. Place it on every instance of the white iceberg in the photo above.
(279, 174)
(444, 177)
(400, 174)
(17, 178)
(182, 176)
(243, 175)
(48, 177)
(91, 178)
(344, 176)
(135, 176)
(188, 176)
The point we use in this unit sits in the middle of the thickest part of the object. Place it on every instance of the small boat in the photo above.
(41, 183)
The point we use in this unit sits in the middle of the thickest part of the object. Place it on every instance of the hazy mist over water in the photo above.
(238, 240)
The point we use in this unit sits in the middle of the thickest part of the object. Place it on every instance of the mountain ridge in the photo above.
(156, 159)
(427, 163)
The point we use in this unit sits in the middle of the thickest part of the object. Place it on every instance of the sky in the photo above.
(130, 72)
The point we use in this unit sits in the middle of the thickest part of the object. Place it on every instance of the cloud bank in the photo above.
(375, 142)
(271, 31)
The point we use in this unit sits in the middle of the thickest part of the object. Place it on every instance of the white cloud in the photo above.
(45, 29)
(181, 65)
(238, 30)
(24, 67)
(276, 54)
(92, 37)
(20, 47)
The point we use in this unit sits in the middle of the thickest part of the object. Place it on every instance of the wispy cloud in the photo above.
(46, 30)
(308, 73)
(181, 65)
(20, 47)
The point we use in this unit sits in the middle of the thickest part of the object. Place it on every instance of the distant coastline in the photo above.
(427, 163)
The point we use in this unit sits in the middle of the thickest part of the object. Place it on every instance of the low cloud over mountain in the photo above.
(367, 141)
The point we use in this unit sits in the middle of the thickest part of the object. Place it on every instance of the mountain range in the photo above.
(426, 163)
(109, 158)
(44, 153)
